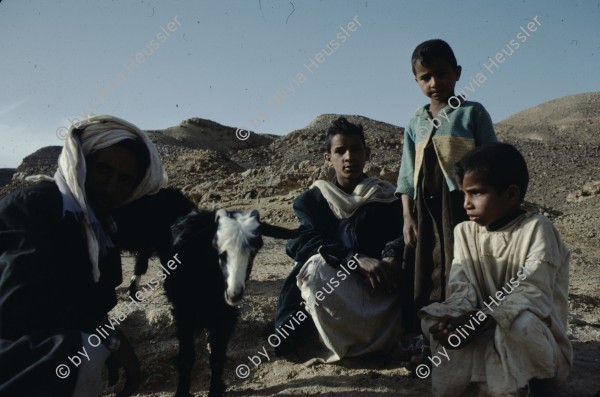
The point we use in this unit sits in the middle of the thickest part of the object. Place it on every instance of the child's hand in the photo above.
(441, 330)
(410, 230)
(447, 326)
(381, 274)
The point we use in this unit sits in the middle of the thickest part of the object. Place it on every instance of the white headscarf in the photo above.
(94, 134)
(369, 190)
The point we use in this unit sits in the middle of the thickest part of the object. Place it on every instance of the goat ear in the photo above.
(220, 213)
(255, 214)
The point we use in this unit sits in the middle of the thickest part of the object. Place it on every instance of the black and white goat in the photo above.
(215, 251)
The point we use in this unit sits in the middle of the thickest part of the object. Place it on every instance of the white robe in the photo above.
(519, 275)
(352, 318)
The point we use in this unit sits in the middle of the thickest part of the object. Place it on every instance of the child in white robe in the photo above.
(503, 329)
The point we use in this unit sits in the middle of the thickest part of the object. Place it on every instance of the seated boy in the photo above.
(503, 326)
(348, 254)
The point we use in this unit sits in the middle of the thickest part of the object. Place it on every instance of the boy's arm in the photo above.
(405, 184)
(409, 229)
(439, 320)
(314, 232)
(448, 325)
(484, 128)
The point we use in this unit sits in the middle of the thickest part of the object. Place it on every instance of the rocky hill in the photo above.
(197, 133)
(211, 164)
(574, 118)
(6, 175)
(216, 166)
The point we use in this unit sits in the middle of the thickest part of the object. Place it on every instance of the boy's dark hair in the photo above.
(342, 126)
(429, 51)
(498, 164)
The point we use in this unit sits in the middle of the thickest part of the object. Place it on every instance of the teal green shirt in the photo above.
(453, 132)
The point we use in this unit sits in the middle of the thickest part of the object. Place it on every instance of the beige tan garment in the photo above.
(524, 267)
(351, 317)
(369, 190)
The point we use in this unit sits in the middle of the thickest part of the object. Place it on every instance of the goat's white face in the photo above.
(237, 240)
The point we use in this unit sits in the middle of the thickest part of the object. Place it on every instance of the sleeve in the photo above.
(316, 232)
(27, 301)
(31, 343)
(394, 249)
(483, 128)
(405, 184)
(534, 287)
(44, 286)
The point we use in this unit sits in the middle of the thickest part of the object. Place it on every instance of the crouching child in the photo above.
(504, 323)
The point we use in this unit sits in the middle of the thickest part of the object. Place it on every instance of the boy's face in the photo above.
(111, 178)
(437, 80)
(347, 156)
(483, 203)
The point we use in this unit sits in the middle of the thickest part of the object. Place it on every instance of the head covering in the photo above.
(96, 133)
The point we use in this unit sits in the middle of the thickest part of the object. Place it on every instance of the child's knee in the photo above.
(528, 326)
(534, 333)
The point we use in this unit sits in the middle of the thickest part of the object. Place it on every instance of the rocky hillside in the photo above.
(6, 175)
(212, 165)
(570, 119)
(197, 133)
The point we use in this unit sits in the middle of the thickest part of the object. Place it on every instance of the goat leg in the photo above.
(141, 267)
(218, 338)
(134, 285)
(187, 352)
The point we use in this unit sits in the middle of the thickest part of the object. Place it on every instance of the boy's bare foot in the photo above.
(415, 353)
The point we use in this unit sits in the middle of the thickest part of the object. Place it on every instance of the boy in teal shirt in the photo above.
(437, 136)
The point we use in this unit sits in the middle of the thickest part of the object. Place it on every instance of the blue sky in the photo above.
(242, 63)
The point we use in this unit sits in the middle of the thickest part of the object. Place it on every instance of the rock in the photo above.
(195, 194)
(252, 194)
(590, 189)
(372, 170)
(389, 175)
(19, 176)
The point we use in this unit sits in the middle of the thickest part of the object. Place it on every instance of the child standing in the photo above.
(437, 136)
(504, 323)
